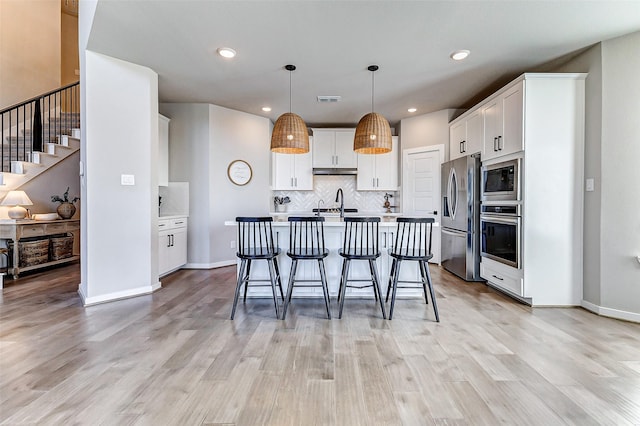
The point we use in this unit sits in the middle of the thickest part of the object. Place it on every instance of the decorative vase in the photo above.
(66, 210)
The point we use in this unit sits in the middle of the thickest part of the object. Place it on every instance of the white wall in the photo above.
(120, 125)
(189, 162)
(611, 229)
(620, 244)
(29, 49)
(203, 140)
(427, 129)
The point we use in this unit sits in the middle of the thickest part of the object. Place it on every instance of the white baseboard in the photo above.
(612, 313)
(118, 295)
(210, 265)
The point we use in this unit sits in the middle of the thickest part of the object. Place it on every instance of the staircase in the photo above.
(25, 154)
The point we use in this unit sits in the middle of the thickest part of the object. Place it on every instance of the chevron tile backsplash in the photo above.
(325, 188)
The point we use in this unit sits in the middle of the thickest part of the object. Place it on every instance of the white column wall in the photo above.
(120, 137)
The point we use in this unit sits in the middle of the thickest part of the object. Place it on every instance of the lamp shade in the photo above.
(290, 135)
(16, 198)
(373, 135)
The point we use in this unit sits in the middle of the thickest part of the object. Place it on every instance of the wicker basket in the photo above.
(33, 252)
(61, 247)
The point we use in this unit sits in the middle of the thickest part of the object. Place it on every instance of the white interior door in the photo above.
(421, 187)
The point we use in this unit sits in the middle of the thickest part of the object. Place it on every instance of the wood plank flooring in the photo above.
(175, 358)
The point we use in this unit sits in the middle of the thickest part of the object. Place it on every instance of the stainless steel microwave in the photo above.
(501, 181)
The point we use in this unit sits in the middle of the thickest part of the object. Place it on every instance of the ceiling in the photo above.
(333, 42)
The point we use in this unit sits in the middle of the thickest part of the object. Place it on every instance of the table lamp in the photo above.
(17, 199)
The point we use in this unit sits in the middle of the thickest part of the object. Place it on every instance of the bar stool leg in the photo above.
(273, 278)
(393, 268)
(246, 278)
(394, 277)
(275, 263)
(376, 283)
(292, 279)
(425, 268)
(243, 265)
(343, 285)
(325, 288)
(342, 275)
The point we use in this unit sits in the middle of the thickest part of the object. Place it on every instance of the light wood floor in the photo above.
(174, 358)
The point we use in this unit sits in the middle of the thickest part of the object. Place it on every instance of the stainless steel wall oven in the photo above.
(501, 234)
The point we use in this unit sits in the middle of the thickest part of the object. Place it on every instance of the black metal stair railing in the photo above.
(27, 126)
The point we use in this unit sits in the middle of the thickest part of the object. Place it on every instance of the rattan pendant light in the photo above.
(290, 134)
(373, 134)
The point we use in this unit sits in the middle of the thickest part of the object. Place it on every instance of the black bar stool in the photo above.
(413, 242)
(306, 242)
(255, 242)
(360, 243)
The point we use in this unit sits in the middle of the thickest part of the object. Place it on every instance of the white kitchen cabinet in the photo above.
(378, 172)
(333, 148)
(292, 171)
(163, 150)
(465, 135)
(543, 126)
(503, 122)
(172, 244)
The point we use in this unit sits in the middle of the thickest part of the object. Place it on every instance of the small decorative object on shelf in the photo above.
(66, 209)
(387, 205)
(280, 203)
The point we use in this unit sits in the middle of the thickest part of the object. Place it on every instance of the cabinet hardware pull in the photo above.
(495, 140)
(179, 223)
(377, 183)
(461, 149)
(497, 277)
(500, 145)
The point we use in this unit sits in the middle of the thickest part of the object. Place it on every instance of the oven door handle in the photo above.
(501, 219)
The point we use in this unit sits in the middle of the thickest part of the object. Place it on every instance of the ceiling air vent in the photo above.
(329, 99)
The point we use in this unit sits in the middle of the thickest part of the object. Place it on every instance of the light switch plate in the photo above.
(127, 180)
(590, 185)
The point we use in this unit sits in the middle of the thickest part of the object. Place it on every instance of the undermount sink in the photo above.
(328, 212)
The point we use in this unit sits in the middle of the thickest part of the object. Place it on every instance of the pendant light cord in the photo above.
(290, 90)
(373, 88)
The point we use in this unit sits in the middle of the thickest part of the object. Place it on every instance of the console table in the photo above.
(15, 230)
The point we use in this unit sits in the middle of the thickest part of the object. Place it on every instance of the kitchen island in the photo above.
(334, 234)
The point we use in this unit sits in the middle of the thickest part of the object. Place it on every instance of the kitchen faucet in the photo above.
(321, 201)
(340, 195)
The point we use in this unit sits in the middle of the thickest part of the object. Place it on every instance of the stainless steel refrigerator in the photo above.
(460, 234)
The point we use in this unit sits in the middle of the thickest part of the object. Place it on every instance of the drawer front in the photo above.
(55, 228)
(179, 223)
(499, 279)
(32, 230)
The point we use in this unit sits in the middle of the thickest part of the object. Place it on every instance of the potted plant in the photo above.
(66, 209)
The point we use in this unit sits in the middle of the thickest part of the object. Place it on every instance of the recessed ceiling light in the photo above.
(226, 52)
(412, 110)
(266, 109)
(459, 55)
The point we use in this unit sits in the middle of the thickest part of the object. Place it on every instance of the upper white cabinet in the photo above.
(292, 171)
(333, 148)
(378, 172)
(503, 123)
(163, 150)
(465, 135)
